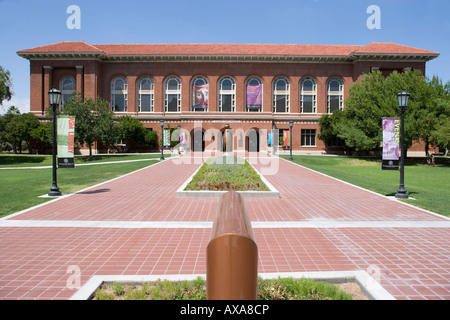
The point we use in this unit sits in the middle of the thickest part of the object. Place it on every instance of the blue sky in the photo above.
(29, 23)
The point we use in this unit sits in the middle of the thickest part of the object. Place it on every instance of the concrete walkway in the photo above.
(135, 225)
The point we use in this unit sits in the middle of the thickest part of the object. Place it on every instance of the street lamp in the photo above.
(161, 122)
(291, 123)
(273, 139)
(179, 136)
(403, 98)
(54, 96)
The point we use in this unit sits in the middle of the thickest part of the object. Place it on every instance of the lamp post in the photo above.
(54, 96)
(291, 123)
(403, 98)
(161, 122)
(273, 139)
(179, 136)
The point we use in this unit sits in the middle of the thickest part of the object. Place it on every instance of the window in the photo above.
(200, 94)
(308, 93)
(227, 95)
(172, 95)
(335, 95)
(145, 94)
(308, 138)
(119, 94)
(281, 95)
(253, 94)
(67, 88)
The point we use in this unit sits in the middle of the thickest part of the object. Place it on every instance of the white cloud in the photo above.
(23, 104)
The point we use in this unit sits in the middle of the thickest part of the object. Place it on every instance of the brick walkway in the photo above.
(134, 225)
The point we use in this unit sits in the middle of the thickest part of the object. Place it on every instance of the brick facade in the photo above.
(94, 67)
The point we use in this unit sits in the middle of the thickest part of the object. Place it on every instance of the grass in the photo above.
(227, 173)
(274, 289)
(8, 160)
(428, 185)
(22, 187)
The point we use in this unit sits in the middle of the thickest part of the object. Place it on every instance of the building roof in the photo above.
(227, 52)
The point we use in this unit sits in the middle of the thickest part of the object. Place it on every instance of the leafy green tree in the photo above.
(375, 97)
(42, 137)
(441, 135)
(19, 130)
(5, 85)
(93, 119)
(131, 131)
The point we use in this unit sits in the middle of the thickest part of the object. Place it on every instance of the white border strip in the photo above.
(327, 224)
(369, 286)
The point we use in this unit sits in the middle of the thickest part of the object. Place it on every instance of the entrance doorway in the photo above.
(198, 140)
(252, 140)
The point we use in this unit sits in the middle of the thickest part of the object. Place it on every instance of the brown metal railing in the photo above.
(232, 254)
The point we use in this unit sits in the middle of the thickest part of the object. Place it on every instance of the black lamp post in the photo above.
(54, 96)
(291, 123)
(179, 135)
(273, 139)
(161, 122)
(403, 98)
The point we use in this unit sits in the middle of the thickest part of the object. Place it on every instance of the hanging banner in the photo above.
(391, 138)
(200, 96)
(269, 138)
(66, 141)
(286, 140)
(254, 96)
(166, 138)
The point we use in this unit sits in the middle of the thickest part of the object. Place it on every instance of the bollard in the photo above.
(231, 254)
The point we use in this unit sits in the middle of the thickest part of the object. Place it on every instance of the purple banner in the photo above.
(254, 95)
(391, 137)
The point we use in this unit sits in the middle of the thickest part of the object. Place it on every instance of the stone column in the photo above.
(47, 85)
(80, 80)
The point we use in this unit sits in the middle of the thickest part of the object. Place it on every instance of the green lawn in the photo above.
(20, 188)
(429, 185)
(26, 160)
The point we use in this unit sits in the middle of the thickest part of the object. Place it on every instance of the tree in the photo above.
(19, 130)
(4, 120)
(93, 119)
(42, 137)
(374, 97)
(5, 85)
(132, 132)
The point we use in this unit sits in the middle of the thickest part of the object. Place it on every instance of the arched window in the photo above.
(254, 91)
(335, 95)
(227, 94)
(172, 95)
(145, 94)
(119, 94)
(67, 87)
(281, 95)
(200, 94)
(308, 95)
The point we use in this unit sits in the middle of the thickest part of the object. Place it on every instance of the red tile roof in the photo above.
(296, 50)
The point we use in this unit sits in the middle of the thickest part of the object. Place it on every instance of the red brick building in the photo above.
(214, 86)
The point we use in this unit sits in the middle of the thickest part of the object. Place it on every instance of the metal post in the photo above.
(401, 192)
(291, 123)
(162, 139)
(179, 134)
(54, 190)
